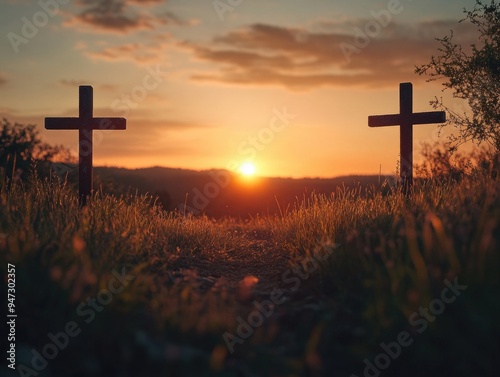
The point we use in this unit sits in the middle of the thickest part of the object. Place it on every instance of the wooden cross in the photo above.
(85, 124)
(406, 119)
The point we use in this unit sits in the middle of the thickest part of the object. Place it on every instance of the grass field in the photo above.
(342, 285)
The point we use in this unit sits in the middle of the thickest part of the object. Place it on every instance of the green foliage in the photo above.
(472, 76)
(189, 288)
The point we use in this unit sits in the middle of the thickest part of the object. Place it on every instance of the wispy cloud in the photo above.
(300, 59)
(73, 83)
(3, 78)
(120, 16)
(142, 26)
(138, 53)
(145, 139)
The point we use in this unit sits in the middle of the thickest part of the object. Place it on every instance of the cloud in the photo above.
(8, 112)
(72, 83)
(300, 59)
(139, 53)
(145, 139)
(124, 17)
(120, 16)
(3, 78)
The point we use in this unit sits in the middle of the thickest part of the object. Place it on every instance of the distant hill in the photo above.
(219, 193)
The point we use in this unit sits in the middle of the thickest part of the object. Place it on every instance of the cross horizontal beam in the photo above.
(85, 124)
(416, 118)
(406, 119)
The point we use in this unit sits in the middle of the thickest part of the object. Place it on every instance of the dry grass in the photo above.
(189, 287)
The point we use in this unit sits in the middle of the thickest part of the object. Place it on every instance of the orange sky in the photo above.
(204, 84)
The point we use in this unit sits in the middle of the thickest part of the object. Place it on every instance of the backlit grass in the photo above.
(193, 278)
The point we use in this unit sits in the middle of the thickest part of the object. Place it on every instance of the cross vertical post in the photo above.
(85, 124)
(85, 141)
(406, 134)
(406, 119)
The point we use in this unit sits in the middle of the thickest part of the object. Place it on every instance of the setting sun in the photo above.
(247, 169)
(232, 187)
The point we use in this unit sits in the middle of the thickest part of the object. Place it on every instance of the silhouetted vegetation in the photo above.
(21, 149)
(440, 163)
(194, 277)
(472, 76)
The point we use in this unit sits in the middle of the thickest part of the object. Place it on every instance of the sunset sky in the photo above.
(204, 84)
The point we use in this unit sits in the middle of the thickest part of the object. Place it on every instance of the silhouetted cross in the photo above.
(406, 119)
(85, 124)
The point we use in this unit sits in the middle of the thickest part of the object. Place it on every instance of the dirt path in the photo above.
(260, 259)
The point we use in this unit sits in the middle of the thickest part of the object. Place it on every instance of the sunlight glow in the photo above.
(247, 169)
